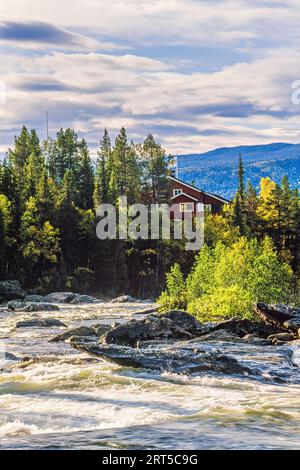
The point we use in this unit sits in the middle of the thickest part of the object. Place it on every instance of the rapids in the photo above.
(62, 398)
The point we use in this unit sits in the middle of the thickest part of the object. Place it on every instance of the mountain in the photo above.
(216, 171)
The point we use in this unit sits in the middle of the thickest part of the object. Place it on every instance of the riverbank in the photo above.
(64, 398)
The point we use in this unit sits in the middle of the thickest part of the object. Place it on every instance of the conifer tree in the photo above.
(103, 171)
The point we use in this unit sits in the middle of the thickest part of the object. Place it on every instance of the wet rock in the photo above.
(283, 317)
(123, 299)
(293, 324)
(100, 330)
(178, 360)
(11, 290)
(172, 325)
(6, 356)
(16, 305)
(31, 306)
(242, 327)
(255, 340)
(59, 298)
(39, 307)
(282, 337)
(146, 311)
(47, 323)
(80, 331)
(84, 299)
(221, 335)
(33, 298)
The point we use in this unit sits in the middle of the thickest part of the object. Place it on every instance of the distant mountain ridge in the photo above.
(216, 171)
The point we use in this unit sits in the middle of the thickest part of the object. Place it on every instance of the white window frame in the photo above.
(182, 209)
(176, 192)
(207, 207)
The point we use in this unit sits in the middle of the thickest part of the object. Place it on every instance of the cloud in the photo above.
(37, 34)
(228, 83)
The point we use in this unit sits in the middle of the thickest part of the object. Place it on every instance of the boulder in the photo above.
(280, 338)
(33, 298)
(80, 331)
(221, 335)
(40, 307)
(6, 356)
(146, 311)
(32, 307)
(11, 290)
(59, 298)
(243, 326)
(282, 317)
(16, 305)
(123, 299)
(84, 299)
(100, 329)
(172, 325)
(48, 323)
(178, 360)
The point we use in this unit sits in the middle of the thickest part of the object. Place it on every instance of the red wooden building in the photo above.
(186, 198)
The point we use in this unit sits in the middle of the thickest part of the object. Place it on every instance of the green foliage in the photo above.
(48, 195)
(175, 295)
(226, 280)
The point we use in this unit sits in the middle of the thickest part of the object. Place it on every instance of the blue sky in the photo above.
(197, 74)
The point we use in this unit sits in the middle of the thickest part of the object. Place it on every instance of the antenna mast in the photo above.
(47, 124)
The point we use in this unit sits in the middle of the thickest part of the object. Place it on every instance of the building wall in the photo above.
(216, 204)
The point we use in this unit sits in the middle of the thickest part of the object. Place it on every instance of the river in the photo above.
(64, 399)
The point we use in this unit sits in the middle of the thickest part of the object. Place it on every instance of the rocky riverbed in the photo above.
(88, 376)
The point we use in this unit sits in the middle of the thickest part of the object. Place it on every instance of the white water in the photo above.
(66, 399)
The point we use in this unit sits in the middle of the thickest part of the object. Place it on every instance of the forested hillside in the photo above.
(215, 171)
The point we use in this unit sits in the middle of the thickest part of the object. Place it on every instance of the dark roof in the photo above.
(226, 201)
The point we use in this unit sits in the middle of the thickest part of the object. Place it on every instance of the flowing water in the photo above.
(65, 399)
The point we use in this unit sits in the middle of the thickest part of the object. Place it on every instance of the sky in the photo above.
(196, 74)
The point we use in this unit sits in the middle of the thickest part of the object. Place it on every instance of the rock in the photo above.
(282, 317)
(31, 307)
(178, 360)
(293, 324)
(255, 340)
(146, 311)
(16, 305)
(123, 299)
(48, 323)
(281, 337)
(9, 357)
(59, 298)
(84, 299)
(172, 325)
(33, 298)
(243, 326)
(100, 330)
(11, 290)
(80, 331)
(115, 324)
(221, 335)
(40, 307)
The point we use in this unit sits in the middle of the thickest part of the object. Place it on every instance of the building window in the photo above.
(207, 207)
(187, 207)
(176, 192)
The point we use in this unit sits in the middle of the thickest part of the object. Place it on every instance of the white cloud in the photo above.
(244, 102)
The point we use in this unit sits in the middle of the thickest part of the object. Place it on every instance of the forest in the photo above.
(49, 192)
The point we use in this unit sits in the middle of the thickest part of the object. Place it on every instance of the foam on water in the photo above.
(65, 392)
